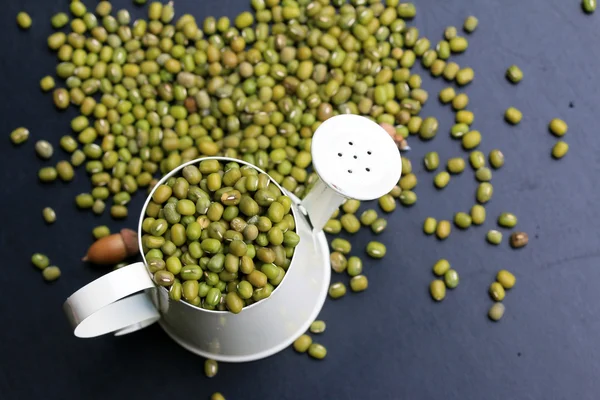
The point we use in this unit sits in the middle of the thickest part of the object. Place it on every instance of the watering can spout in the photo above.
(355, 158)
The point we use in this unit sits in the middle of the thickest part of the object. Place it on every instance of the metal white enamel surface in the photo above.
(356, 157)
(260, 330)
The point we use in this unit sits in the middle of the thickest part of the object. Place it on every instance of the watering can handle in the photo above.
(112, 303)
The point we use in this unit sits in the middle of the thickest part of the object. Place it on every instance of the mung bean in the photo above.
(589, 6)
(23, 20)
(437, 288)
(49, 215)
(506, 279)
(51, 273)
(451, 279)
(19, 135)
(441, 267)
(317, 326)
(302, 344)
(513, 115)
(497, 291)
(494, 237)
(519, 239)
(560, 149)
(317, 351)
(40, 261)
(443, 229)
(441, 179)
(376, 249)
(470, 24)
(429, 226)
(359, 283)
(337, 290)
(507, 220)
(514, 74)
(496, 312)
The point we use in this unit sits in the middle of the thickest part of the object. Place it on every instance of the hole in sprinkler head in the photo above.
(368, 169)
(369, 152)
(350, 143)
(355, 156)
(349, 171)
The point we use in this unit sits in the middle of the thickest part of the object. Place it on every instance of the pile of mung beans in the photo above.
(219, 236)
(160, 91)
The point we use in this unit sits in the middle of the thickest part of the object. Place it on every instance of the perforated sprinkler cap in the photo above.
(356, 157)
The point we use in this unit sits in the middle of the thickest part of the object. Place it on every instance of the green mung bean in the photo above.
(589, 6)
(376, 249)
(447, 95)
(497, 292)
(317, 351)
(350, 223)
(47, 174)
(378, 225)
(471, 140)
(407, 182)
(470, 24)
(558, 127)
(514, 74)
(507, 220)
(359, 283)
(337, 290)
(460, 101)
(302, 344)
(513, 116)
(464, 117)
(441, 179)
(496, 312)
(494, 237)
(19, 135)
(368, 217)
(441, 267)
(429, 226)
(355, 266)
(451, 279)
(431, 161)
(341, 245)
(437, 289)
(40, 261)
(211, 367)
(317, 326)
(496, 159)
(484, 193)
(458, 44)
(464, 76)
(333, 226)
(338, 261)
(458, 130)
(23, 20)
(455, 165)
(506, 279)
(100, 232)
(428, 128)
(450, 32)
(443, 229)
(478, 214)
(462, 220)
(49, 215)
(560, 149)
(51, 273)
(483, 174)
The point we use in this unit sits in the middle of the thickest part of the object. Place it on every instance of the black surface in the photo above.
(391, 342)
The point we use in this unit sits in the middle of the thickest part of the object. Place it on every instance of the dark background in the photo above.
(392, 341)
